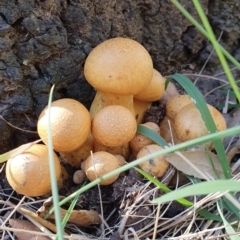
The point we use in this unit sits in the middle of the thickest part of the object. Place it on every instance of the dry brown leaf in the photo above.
(201, 159)
(232, 152)
(26, 225)
(80, 217)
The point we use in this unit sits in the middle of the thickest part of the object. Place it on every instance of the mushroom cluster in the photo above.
(93, 142)
(118, 69)
(98, 141)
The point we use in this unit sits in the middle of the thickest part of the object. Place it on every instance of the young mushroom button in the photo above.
(70, 124)
(99, 164)
(114, 126)
(118, 68)
(156, 166)
(28, 173)
(175, 104)
(189, 124)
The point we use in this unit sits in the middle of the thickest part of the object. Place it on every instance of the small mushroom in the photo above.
(175, 104)
(139, 141)
(156, 166)
(78, 177)
(28, 173)
(154, 91)
(70, 124)
(99, 164)
(189, 124)
(118, 68)
(114, 126)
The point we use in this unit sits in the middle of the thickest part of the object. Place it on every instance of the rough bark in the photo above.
(45, 42)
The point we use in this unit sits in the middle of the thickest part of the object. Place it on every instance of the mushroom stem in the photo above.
(119, 150)
(140, 108)
(103, 99)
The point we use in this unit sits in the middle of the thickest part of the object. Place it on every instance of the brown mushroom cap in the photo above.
(114, 126)
(99, 164)
(28, 173)
(119, 66)
(155, 166)
(70, 124)
(139, 141)
(189, 124)
(154, 90)
(167, 131)
(78, 177)
(175, 104)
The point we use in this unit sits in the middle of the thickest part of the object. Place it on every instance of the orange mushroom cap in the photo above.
(99, 164)
(154, 90)
(175, 104)
(189, 124)
(156, 166)
(28, 173)
(70, 124)
(119, 66)
(114, 126)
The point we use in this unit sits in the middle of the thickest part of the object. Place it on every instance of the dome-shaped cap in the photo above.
(114, 126)
(119, 66)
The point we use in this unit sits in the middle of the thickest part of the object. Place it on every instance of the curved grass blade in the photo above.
(202, 212)
(53, 173)
(230, 207)
(221, 57)
(152, 135)
(209, 216)
(163, 187)
(229, 229)
(200, 189)
(70, 209)
(207, 118)
(203, 31)
(13, 153)
(180, 146)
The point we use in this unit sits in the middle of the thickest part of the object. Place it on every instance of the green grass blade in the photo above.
(230, 207)
(152, 135)
(167, 81)
(202, 212)
(232, 234)
(203, 31)
(178, 147)
(218, 50)
(207, 118)
(209, 216)
(200, 189)
(13, 153)
(182, 201)
(53, 174)
(70, 209)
